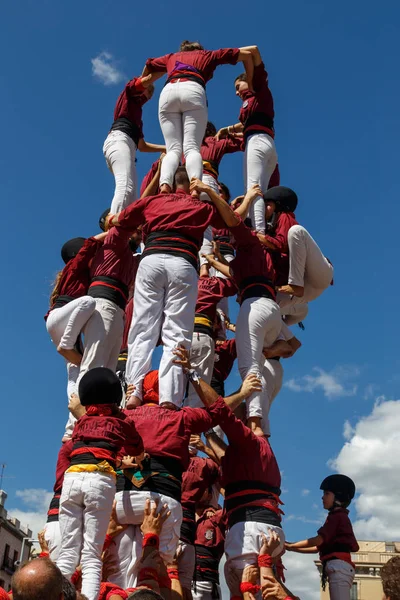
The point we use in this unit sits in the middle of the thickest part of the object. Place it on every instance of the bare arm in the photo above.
(255, 53)
(253, 193)
(152, 188)
(246, 56)
(217, 445)
(236, 128)
(311, 542)
(250, 384)
(265, 242)
(146, 147)
(227, 214)
(221, 267)
(312, 550)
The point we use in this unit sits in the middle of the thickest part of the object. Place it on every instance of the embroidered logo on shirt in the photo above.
(209, 534)
(245, 104)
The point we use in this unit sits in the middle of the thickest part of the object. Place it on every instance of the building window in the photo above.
(15, 557)
(389, 547)
(2, 583)
(354, 592)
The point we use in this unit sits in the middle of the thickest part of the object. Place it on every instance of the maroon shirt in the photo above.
(115, 429)
(211, 290)
(204, 61)
(247, 457)
(224, 357)
(210, 532)
(63, 461)
(75, 278)
(165, 212)
(116, 259)
(166, 432)
(201, 474)
(130, 102)
(213, 151)
(337, 533)
(252, 259)
(279, 238)
(258, 101)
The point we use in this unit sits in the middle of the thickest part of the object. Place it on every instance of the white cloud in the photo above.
(333, 384)
(302, 518)
(105, 69)
(37, 502)
(371, 457)
(348, 431)
(302, 577)
(305, 492)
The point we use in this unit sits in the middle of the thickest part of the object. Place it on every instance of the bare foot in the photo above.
(292, 290)
(165, 189)
(72, 356)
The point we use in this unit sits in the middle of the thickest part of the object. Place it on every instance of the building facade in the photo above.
(14, 540)
(368, 560)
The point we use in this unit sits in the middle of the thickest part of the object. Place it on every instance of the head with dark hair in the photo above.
(182, 179)
(145, 594)
(187, 46)
(38, 579)
(224, 191)
(69, 590)
(241, 84)
(390, 575)
(211, 130)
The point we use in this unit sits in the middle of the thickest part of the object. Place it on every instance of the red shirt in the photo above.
(279, 238)
(75, 277)
(213, 151)
(252, 259)
(116, 430)
(116, 259)
(247, 457)
(201, 474)
(337, 533)
(210, 291)
(149, 176)
(166, 212)
(63, 462)
(204, 61)
(224, 357)
(130, 102)
(210, 532)
(166, 432)
(108, 589)
(259, 101)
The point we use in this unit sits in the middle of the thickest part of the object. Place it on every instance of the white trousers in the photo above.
(201, 359)
(294, 313)
(64, 325)
(207, 247)
(308, 267)
(272, 379)
(258, 324)
(164, 302)
(260, 159)
(203, 590)
(340, 577)
(103, 336)
(85, 509)
(52, 535)
(120, 152)
(244, 540)
(186, 564)
(183, 117)
(128, 548)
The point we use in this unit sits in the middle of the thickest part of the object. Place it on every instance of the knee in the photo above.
(296, 231)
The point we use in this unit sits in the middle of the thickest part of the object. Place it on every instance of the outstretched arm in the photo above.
(227, 214)
(221, 267)
(146, 147)
(152, 188)
(253, 193)
(246, 56)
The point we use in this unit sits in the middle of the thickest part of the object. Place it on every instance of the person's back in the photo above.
(36, 580)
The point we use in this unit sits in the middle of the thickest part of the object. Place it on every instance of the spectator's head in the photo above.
(181, 179)
(36, 580)
(145, 594)
(224, 191)
(390, 575)
(69, 590)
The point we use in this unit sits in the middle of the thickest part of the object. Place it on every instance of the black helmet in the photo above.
(342, 486)
(100, 386)
(284, 198)
(71, 248)
(102, 220)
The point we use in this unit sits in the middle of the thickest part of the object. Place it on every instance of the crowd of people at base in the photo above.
(160, 273)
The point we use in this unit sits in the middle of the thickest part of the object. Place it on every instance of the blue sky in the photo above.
(331, 72)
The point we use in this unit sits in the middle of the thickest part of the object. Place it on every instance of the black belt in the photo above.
(125, 125)
(62, 301)
(189, 76)
(109, 289)
(257, 286)
(258, 119)
(174, 243)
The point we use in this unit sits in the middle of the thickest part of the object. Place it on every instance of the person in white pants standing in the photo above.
(125, 138)
(183, 102)
(89, 483)
(335, 540)
(256, 122)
